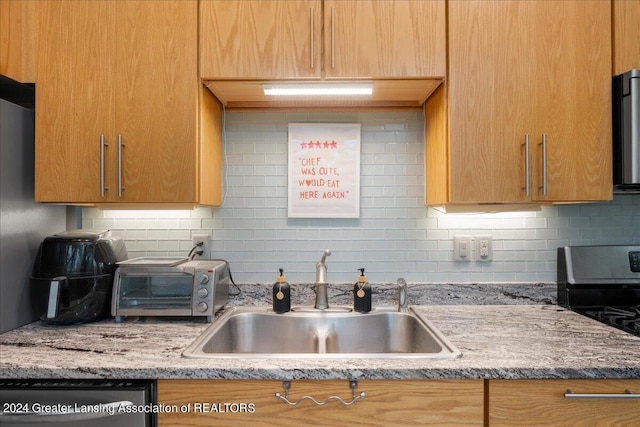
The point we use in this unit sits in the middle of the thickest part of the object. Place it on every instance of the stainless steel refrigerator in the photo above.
(23, 223)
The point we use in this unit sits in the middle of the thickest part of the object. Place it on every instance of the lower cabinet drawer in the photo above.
(564, 402)
(386, 403)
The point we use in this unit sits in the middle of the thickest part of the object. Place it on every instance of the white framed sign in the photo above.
(324, 170)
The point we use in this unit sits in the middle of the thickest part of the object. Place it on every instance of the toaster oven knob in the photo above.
(203, 307)
(203, 278)
(203, 292)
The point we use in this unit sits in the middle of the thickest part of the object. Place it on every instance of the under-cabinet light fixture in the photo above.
(318, 89)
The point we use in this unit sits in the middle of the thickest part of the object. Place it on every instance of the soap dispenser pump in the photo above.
(281, 294)
(362, 294)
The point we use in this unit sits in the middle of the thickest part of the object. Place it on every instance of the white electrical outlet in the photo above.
(484, 247)
(206, 248)
(462, 248)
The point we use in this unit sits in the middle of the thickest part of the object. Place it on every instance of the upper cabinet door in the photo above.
(573, 101)
(17, 39)
(74, 103)
(626, 34)
(491, 100)
(260, 39)
(118, 105)
(156, 101)
(384, 39)
(536, 71)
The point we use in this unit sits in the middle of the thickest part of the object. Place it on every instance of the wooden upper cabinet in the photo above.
(17, 39)
(626, 34)
(572, 101)
(398, 44)
(75, 101)
(156, 100)
(119, 114)
(254, 39)
(491, 91)
(384, 39)
(282, 40)
(518, 72)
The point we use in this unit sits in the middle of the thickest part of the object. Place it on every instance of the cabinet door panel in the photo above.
(17, 39)
(542, 402)
(573, 99)
(157, 99)
(252, 39)
(438, 403)
(381, 38)
(74, 102)
(491, 101)
(626, 33)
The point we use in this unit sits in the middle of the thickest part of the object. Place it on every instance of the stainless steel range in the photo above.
(602, 282)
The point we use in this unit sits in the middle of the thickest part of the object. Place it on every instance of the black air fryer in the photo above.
(72, 276)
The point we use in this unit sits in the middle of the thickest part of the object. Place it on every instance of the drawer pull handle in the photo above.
(626, 395)
(287, 386)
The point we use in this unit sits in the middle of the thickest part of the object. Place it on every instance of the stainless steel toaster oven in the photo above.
(169, 287)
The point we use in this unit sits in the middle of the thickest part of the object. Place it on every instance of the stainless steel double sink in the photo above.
(261, 333)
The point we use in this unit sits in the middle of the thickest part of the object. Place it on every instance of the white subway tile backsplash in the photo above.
(146, 245)
(395, 236)
(169, 245)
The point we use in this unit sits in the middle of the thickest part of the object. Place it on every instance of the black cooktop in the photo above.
(623, 318)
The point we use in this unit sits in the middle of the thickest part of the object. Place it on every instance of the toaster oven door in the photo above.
(154, 294)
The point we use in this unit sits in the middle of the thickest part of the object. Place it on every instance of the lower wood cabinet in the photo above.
(563, 403)
(401, 403)
(387, 403)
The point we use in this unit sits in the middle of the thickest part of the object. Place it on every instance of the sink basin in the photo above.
(261, 333)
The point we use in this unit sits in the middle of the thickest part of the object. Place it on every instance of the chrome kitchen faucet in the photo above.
(322, 301)
(403, 304)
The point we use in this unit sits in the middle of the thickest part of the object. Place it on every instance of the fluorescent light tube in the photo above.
(318, 89)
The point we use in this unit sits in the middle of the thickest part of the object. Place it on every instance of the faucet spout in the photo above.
(322, 300)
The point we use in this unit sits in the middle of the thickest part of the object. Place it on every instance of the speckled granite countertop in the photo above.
(534, 340)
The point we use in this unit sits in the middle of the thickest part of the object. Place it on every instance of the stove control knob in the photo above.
(203, 278)
(203, 292)
(203, 307)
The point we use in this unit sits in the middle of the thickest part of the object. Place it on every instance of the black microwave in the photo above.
(626, 132)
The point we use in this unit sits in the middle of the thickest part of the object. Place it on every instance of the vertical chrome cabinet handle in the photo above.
(311, 31)
(103, 144)
(333, 37)
(527, 167)
(544, 164)
(120, 145)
